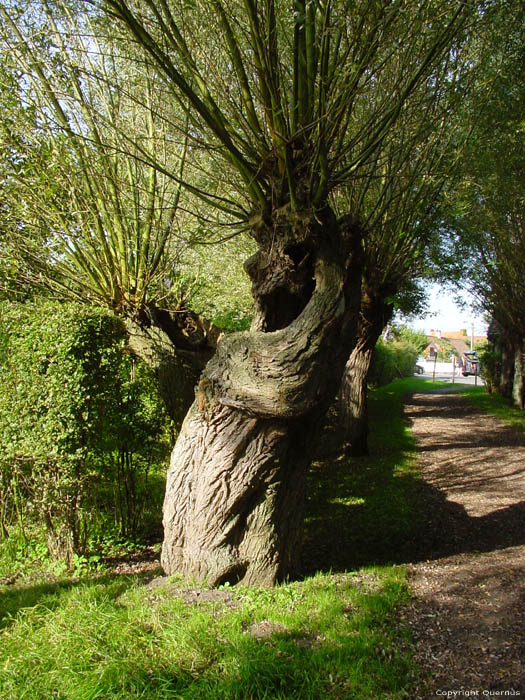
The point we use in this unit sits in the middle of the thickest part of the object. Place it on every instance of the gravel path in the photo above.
(468, 609)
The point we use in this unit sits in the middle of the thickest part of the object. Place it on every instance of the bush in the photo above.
(411, 338)
(490, 368)
(80, 425)
(391, 360)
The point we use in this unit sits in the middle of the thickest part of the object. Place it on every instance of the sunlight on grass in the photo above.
(495, 405)
(364, 511)
(334, 634)
(348, 501)
(330, 635)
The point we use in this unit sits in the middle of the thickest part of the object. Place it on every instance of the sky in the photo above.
(446, 315)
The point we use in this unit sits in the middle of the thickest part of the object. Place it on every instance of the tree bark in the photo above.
(518, 387)
(235, 491)
(374, 314)
(177, 346)
(507, 368)
(353, 407)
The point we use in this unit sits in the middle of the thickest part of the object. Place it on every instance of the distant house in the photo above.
(450, 341)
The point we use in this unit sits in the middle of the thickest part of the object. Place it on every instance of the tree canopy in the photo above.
(312, 126)
(301, 97)
(485, 223)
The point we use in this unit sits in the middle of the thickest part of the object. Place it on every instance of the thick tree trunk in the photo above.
(177, 347)
(507, 369)
(235, 496)
(353, 406)
(518, 387)
(236, 485)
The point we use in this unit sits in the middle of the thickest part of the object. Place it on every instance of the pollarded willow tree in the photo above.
(280, 94)
(399, 204)
(88, 217)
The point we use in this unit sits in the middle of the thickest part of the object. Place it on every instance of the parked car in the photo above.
(470, 363)
(418, 369)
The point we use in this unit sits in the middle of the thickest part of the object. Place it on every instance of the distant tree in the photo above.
(417, 339)
(391, 359)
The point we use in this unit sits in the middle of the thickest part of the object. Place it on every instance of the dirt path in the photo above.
(468, 609)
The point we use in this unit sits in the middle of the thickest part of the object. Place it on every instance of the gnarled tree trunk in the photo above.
(518, 386)
(235, 491)
(353, 405)
(177, 346)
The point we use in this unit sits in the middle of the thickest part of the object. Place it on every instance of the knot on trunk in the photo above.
(282, 373)
(284, 268)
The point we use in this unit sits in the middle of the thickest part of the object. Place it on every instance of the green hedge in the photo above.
(81, 425)
(391, 360)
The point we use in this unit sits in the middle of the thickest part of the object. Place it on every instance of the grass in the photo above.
(373, 502)
(336, 633)
(495, 405)
(116, 639)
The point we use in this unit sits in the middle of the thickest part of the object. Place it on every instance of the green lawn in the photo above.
(333, 634)
(495, 405)
(114, 638)
(371, 504)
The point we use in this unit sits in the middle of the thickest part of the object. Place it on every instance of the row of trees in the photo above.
(485, 222)
(326, 133)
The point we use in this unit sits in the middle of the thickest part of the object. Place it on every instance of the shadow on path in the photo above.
(471, 497)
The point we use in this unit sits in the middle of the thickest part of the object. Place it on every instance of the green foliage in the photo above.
(489, 365)
(222, 289)
(486, 204)
(79, 422)
(109, 221)
(18, 158)
(417, 339)
(392, 359)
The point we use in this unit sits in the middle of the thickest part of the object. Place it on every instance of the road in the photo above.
(458, 379)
